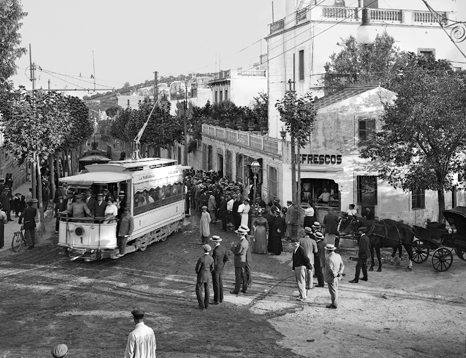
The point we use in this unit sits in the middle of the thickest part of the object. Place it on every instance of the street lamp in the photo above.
(255, 167)
(366, 32)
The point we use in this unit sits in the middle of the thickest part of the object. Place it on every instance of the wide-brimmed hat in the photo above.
(308, 230)
(216, 238)
(318, 235)
(245, 228)
(330, 247)
(241, 231)
(316, 224)
(60, 350)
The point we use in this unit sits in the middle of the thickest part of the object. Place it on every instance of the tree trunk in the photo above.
(441, 205)
(52, 177)
(39, 197)
(57, 164)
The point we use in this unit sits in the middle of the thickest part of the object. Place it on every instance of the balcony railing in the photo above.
(426, 17)
(354, 14)
(244, 139)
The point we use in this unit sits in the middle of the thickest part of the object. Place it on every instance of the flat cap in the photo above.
(206, 247)
(138, 313)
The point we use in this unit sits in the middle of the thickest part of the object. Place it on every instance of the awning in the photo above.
(96, 177)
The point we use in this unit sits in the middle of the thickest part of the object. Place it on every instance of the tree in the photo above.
(260, 109)
(298, 113)
(358, 63)
(422, 140)
(11, 14)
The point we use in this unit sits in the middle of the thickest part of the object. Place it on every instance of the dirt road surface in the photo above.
(47, 299)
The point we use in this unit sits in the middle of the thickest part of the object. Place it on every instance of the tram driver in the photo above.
(78, 209)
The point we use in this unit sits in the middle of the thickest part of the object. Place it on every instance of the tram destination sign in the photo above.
(321, 159)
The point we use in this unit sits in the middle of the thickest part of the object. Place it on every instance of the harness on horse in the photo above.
(371, 231)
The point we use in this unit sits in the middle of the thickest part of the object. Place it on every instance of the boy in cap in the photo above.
(141, 341)
(204, 267)
(220, 256)
(363, 254)
(333, 272)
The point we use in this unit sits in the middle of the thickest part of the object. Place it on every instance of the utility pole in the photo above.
(156, 86)
(93, 68)
(33, 165)
(185, 125)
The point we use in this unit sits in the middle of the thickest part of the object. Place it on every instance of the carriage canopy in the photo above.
(457, 217)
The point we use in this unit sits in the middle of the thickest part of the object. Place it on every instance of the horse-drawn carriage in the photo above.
(442, 241)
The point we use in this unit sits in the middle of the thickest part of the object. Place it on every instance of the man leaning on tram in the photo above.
(78, 209)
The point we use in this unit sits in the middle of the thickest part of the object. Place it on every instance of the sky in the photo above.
(128, 40)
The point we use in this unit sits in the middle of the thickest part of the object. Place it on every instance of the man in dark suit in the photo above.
(220, 256)
(5, 201)
(222, 212)
(301, 264)
(204, 266)
(89, 200)
(363, 254)
(99, 206)
(236, 215)
(28, 218)
(240, 250)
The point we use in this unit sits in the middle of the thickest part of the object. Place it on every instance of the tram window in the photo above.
(167, 190)
(149, 198)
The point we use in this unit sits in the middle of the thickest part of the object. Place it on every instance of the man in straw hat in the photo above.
(319, 258)
(242, 273)
(220, 256)
(204, 267)
(333, 272)
(310, 248)
(363, 254)
(141, 341)
(60, 351)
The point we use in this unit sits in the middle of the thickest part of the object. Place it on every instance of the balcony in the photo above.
(244, 139)
(353, 14)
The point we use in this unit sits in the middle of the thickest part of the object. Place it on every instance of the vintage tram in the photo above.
(153, 190)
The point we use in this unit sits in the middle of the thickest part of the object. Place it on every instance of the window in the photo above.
(366, 131)
(216, 97)
(226, 94)
(228, 165)
(209, 157)
(301, 65)
(426, 52)
(220, 98)
(272, 180)
(418, 199)
(367, 190)
(204, 156)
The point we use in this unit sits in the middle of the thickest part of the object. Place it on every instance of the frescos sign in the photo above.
(321, 159)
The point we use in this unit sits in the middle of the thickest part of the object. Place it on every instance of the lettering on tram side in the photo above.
(322, 159)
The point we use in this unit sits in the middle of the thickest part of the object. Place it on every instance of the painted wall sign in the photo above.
(321, 159)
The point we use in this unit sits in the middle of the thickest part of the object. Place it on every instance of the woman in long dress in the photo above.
(277, 231)
(204, 225)
(245, 213)
(261, 230)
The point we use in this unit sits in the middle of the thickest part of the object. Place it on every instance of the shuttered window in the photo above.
(272, 181)
(228, 165)
(301, 65)
(366, 131)
(367, 190)
(418, 199)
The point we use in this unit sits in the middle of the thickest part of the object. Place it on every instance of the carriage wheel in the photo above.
(461, 254)
(420, 252)
(442, 259)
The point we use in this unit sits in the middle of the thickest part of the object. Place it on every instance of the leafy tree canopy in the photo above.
(422, 141)
(358, 63)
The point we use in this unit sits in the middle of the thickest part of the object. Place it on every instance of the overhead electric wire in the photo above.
(70, 76)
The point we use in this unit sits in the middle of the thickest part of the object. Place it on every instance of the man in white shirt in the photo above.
(230, 202)
(141, 341)
(324, 197)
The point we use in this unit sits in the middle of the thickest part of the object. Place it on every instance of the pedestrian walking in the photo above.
(242, 269)
(261, 231)
(333, 273)
(331, 226)
(277, 231)
(363, 254)
(220, 256)
(28, 218)
(300, 265)
(141, 341)
(204, 267)
(60, 351)
(204, 225)
(309, 246)
(319, 258)
(3, 221)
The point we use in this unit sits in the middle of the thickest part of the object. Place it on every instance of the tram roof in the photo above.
(88, 179)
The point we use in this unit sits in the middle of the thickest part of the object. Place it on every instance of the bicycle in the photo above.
(18, 240)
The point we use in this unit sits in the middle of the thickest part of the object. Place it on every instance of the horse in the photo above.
(382, 233)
